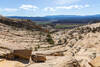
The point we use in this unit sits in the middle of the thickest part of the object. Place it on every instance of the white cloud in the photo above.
(87, 5)
(49, 9)
(53, 9)
(9, 9)
(66, 1)
(72, 7)
(28, 7)
(24, 7)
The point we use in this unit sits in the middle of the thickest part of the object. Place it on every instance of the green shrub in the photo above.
(49, 39)
(36, 48)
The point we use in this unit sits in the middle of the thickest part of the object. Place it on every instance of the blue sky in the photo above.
(49, 7)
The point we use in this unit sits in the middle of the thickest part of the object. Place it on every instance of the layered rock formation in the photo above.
(81, 43)
(20, 35)
(77, 47)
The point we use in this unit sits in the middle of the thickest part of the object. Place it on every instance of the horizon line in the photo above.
(50, 15)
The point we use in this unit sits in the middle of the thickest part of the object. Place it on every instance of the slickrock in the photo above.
(95, 62)
(78, 47)
(8, 63)
(58, 62)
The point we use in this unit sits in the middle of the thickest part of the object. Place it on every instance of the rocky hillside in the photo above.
(77, 47)
(82, 43)
(21, 34)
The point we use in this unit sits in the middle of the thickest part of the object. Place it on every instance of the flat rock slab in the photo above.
(96, 62)
(6, 63)
(57, 62)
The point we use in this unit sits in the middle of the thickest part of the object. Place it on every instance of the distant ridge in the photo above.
(61, 18)
(21, 23)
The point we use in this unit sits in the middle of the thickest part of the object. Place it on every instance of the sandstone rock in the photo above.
(67, 62)
(25, 54)
(58, 62)
(52, 52)
(57, 54)
(38, 58)
(8, 63)
(84, 63)
(95, 62)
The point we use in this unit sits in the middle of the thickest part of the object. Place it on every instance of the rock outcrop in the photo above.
(95, 62)
(58, 62)
(82, 43)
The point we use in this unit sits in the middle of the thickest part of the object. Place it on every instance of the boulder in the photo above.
(25, 54)
(38, 58)
(22, 54)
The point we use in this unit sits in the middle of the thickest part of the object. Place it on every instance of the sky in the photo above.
(49, 7)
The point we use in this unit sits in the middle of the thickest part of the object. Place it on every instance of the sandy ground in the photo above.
(7, 63)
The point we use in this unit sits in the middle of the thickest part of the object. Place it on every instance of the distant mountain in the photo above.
(63, 18)
(78, 19)
(30, 18)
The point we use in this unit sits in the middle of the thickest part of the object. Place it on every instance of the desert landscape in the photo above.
(49, 33)
(26, 44)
